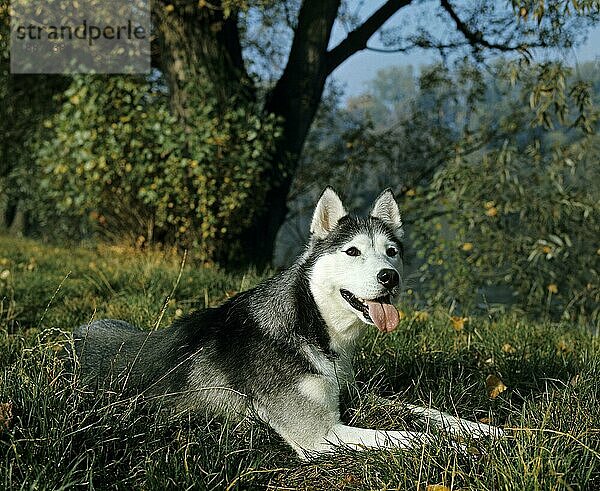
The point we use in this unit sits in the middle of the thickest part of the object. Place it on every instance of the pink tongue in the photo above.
(384, 315)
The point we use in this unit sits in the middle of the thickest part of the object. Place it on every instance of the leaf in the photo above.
(5, 415)
(508, 348)
(458, 323)
(494, 386)
(437, 487)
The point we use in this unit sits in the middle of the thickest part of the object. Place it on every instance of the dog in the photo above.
(283, 349)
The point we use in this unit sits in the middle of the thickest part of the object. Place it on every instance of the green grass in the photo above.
(56, 435)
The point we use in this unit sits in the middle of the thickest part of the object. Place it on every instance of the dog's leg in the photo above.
(341, 435)
(453, 425)
(363, 438)
(311, 425)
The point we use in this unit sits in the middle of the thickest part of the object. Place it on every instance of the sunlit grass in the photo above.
(56, 435)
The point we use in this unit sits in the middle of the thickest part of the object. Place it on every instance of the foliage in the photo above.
(519, 219)
(520, 215)
(116, 160)
(550, 410)
(224, 65)
(514, 137)
(26, 101)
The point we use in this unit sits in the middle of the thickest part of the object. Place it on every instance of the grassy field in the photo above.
(54, 434)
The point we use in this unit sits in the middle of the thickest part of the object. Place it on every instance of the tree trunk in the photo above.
(200, 49)
(17, 221)
(295, 98)
(200, 53)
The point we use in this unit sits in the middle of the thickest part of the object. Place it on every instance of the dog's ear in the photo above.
(386, 209)
(328, 212)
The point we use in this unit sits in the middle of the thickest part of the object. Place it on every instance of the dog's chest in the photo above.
(329, 378)
(337, 370)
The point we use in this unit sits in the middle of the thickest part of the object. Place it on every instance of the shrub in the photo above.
(522, 221)
(115, 161)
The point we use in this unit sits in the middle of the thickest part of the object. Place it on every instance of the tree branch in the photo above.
(402, 49)
(475, 38)
(357, 39)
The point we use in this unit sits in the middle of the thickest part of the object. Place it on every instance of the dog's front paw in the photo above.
(472, 429)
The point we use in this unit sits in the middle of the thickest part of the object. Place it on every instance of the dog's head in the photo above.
(356, 263)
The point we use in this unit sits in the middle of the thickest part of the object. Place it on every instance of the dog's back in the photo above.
(118, 354)
(223, 359)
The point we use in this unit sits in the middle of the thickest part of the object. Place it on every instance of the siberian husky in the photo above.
(283, 349)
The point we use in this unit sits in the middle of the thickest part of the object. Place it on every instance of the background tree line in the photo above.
(498, 187)
(493, 160)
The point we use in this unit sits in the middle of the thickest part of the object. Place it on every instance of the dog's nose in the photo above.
(388, 278)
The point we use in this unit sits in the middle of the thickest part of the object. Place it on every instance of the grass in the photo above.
(54, 434)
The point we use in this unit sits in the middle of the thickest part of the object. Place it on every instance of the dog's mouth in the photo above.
(378, 311)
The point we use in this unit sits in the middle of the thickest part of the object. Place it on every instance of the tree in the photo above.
(25, 102)
(200, 49)
(527, 200)
(499, 200)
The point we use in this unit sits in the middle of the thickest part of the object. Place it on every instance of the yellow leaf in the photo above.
(553, 288)
(437, 487)
(494, 386)
(5, 414)
(467, 246)
(421, 316)
(169, 8)
(411, 192)
(563, 347)
(492, 212)
(508, 348)
(458, 323)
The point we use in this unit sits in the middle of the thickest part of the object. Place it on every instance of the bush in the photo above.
(496, 179)
(524, 222)
(116, 162)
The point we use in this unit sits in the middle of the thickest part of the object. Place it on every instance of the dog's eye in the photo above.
(391, 251)
(352, 251)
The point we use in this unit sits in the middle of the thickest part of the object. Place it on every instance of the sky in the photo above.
(359, 69)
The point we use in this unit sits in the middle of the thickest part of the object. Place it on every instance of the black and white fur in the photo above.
(283, 349)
